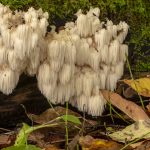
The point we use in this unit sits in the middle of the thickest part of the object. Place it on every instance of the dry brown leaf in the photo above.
(142, 86)
(89, 143)
(148, 107)
(50, 114)
(37, 137)
(47, 138)
(144, 145)
(129, 93)
(52, 147)
(6, 140)
(138, 144)
(74, 142)
(130, 108)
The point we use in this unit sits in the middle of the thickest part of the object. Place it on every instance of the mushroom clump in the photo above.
(71, 65)
(21, 37)
(84, 57)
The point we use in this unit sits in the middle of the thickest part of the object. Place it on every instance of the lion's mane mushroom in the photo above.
(70, 65)
(84, 57)
(8, 79)
(21, 35)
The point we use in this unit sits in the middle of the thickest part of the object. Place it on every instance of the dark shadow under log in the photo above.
(25, 94)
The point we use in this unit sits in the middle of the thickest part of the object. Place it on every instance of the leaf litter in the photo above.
(79, 127)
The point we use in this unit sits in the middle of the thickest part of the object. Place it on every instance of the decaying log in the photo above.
(26, 93)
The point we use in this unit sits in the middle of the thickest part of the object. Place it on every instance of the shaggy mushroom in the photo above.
(19, 44)
(72, 65)
(86, 58)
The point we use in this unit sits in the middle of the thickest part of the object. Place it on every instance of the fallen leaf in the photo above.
(86, 141)
(6, 140)
(37, 137)
(148, 107)
(145, 145)
(136, 145)
(138, 130)
(51, 114)
(129, 92)
(130, 108)
(71, 118)
(74, 142)
(142, 86)
(51, 147)
(89, 143)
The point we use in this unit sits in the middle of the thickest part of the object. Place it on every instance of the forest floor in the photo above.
(64, 127)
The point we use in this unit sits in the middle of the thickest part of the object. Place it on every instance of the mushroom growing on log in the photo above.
(72, 65)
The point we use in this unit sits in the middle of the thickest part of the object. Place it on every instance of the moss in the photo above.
(142, 66)
(16, 4)
(136, 13)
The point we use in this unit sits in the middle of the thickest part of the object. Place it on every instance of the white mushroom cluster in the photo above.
(84, 57)
(71, 65)
(21, 35)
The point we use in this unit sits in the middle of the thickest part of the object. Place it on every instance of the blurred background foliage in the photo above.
(135, 12)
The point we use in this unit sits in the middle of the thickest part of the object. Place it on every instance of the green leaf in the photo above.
(22, 147)
(71, 118)
(22, 136)
(25, 131)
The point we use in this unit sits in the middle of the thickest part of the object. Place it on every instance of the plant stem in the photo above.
(110, 110)
(39, 127)
(66, 126)
(129, 67)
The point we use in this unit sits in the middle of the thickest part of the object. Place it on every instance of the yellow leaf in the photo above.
(89, 143)
(142, 86)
